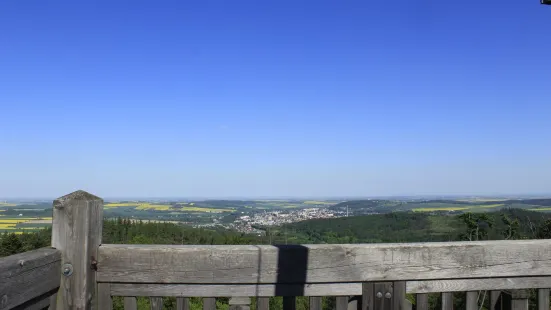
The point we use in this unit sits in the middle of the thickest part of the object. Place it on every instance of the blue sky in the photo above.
(274, 98)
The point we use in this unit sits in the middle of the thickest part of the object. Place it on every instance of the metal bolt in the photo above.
(388, 295)
(67, 269)
(379, 295)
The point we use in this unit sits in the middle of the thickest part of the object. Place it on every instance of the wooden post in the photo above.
(76, 232)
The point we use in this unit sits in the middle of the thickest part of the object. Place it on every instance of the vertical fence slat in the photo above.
(289, 303)
(240, 303)
(367, 296)
(398, 295)
(543, 299)
(342, 303)
(156, 303)
(494, 299)
(382, 296)
(315, 303)
(262, 303)
(104, 296)
(130, 303)
(209, 303)
(182, 303)
(447, 301)
(519, 299)
(472, 300)
(354, 303)
(422, 301)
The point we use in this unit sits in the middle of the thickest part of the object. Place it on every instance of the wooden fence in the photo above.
(361, 276)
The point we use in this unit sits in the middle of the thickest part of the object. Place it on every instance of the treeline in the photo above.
(392, 227)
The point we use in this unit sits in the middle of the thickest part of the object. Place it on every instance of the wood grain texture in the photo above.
(447, 301)
(326, 289)
(229, 290)
(461, 285)
(263, 303)
(76, 232)
(422, 302)
(323, 263)
(315, 303)
(130, 303)
(209, 303)
(156, 303)
(342, 303)
(28, 275)
(105, 302)
(543, 299)
(182, 303)
(289, 303)
(472, 300)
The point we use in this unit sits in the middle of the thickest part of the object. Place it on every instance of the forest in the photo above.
(390, 227)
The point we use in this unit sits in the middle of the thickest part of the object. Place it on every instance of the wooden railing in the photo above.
(361, 276)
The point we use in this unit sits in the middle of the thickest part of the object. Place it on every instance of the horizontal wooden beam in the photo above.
(325, 263)
(29, 275)
(324, 289)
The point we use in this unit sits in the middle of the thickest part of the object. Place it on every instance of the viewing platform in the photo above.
(79, 272)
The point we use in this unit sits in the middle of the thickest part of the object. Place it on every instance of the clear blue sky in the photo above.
(274, 98)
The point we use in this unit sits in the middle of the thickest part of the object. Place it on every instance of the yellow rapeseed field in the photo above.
(199, 209)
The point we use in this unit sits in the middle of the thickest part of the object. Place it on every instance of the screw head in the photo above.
(388, 295)
(67, 269)
(379, 295)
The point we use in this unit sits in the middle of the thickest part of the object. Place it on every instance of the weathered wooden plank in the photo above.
(461, 285)
(104, 296)
(325, 289)
(182, 303)
(209, 303)
(543, 299)
(472, 300)
(315, 303)
(289, 303)
(156, 303)
(398, 295)
(447, 301)
(28, 275)
(76, 232)
(263, 303)
(342, 303)
(367, 296)
(40, 304)
(422, 302)
(323, 263)
(130, 303)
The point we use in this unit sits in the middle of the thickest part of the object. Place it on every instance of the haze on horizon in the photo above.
(275, 99)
